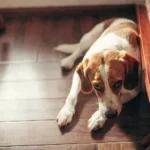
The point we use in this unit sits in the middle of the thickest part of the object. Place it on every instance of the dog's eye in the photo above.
(97, 87)
(117, 85)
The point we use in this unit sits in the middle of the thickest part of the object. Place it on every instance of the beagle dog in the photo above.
(111, 68)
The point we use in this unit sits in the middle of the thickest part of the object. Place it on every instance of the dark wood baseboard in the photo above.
(144, 32)
(67, 11)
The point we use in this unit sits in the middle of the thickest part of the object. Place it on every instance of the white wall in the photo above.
(44, 3)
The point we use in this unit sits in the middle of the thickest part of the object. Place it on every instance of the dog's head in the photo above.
(107, 73)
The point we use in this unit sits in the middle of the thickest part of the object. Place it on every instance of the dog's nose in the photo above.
(111, 114)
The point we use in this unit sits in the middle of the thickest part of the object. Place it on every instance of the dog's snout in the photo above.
(111, 114)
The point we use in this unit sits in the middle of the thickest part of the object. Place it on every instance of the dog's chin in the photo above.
(111, 114)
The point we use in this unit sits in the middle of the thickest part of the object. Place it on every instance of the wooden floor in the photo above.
(33, 89)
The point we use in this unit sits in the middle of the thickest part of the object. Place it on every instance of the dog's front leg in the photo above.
(98, 118)
(66, 113)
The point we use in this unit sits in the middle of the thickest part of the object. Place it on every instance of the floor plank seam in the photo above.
(22, 99)
(92, 143)
(42, 120)
(34, 80)
(26, 61)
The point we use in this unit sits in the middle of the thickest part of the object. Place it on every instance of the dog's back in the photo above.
(120, 34)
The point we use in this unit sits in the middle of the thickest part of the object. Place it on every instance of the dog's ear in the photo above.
(131, 71)
(83, 71)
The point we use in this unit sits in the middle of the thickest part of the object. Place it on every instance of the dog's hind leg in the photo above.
(77, 50)
(85, 43)
(67, 48)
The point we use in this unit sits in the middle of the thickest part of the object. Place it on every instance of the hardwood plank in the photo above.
(35, 89)
(144, 31)
(65, 29)
(54, 147)
(57, 31)
(26, 49)
(43, 109)
(47, 132)
(120, 146)
(8, 35)
(68, 31)
(81, 25)
(87, 23)
(20, 41)
(47, 109)
(7, 39)
(32, 71)
(48, 40)
(2, 23)
(29, 109)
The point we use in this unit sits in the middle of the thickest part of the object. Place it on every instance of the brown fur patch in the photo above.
(116, 69)
(111, 55)
(125, 30)
(107, 22)
(86, 86)
(88, 71)
(116, 72)
(122, 63)
(95, 76)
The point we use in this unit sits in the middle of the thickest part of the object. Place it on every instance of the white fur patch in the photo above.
(112, 41)
(96, 121)
(67, 48)
(109, 99)
(66, 113)
(121, 20)
(89, 38)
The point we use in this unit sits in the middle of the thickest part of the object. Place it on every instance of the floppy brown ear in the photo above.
(83, 70)
(131, 66)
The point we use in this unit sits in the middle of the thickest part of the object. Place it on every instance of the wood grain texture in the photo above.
(33, 87)
(42, 109)
(144, 31)
(32, 71)
(118, 10)
(120, 146)
(47, 109)
(47, 132)
(2, 23)
(54, 147)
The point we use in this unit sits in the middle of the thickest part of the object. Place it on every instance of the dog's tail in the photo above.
(67, 48)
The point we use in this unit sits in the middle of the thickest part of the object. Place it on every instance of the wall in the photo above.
(45, 3)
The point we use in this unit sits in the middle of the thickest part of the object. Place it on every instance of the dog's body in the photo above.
(111, 67)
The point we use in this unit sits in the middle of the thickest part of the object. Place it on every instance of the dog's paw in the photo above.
(96, 121)
(65, 116)
(67, 63)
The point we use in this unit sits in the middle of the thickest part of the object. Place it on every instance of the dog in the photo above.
(147, 4)
(111, 68)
